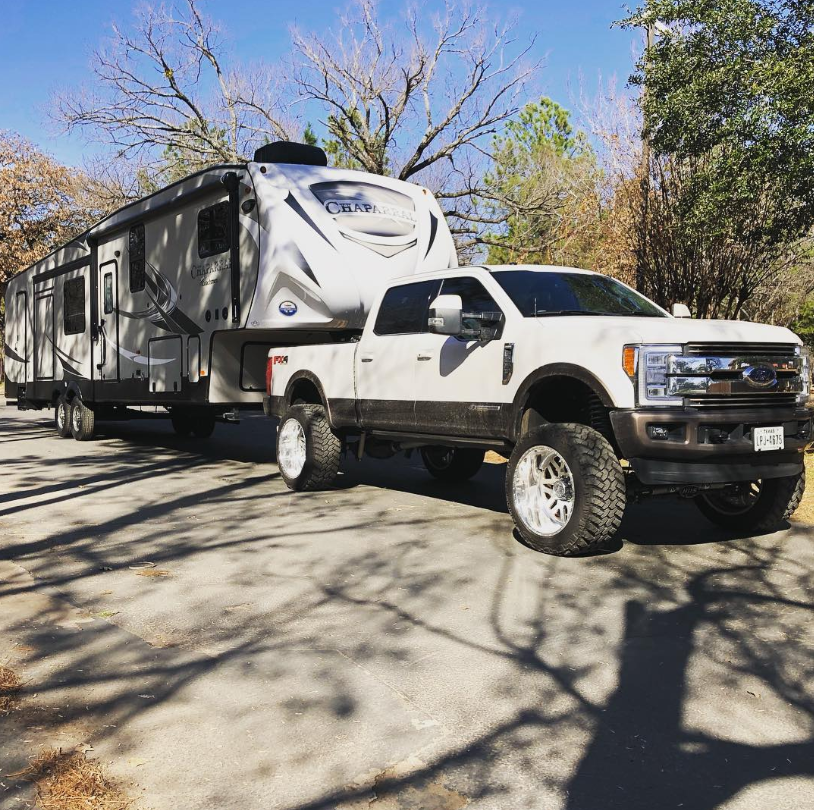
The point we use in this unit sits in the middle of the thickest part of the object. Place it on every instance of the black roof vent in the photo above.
(291, 152)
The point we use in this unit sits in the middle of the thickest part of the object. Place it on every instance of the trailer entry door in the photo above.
(44, 336)
(108, 363)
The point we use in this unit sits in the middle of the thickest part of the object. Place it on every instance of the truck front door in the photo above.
(458, 382)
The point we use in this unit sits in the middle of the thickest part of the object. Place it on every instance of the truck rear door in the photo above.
(387, 354)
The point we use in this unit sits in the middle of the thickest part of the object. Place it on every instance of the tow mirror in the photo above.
(681, 311)
(445, 315)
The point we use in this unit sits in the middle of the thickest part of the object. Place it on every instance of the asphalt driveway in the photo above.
(223, 643)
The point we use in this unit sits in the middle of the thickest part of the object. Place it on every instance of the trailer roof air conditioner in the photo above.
(291, 152)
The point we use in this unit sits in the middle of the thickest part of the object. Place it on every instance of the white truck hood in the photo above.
(623, 330)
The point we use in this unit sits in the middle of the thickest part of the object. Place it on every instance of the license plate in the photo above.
(767, 438)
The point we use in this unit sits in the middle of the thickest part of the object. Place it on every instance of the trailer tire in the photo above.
(203, 424)
(565, 489)
(181, 424)
(83, 421)
(452, 463)
(62, 418)
(308, 451)
(754, 507)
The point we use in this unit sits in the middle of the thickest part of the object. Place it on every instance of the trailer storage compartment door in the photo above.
(166, 359)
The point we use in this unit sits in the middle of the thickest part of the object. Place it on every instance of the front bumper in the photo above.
(708, 447)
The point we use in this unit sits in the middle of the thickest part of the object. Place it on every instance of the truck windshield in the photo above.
(541, 294)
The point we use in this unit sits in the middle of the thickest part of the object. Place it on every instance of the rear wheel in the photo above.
(565, 489)
(62, 418)
(83, 421)
(452, 463)
(181, 423)
(754, 506)
(308, 451)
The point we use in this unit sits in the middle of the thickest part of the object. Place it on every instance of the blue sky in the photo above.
(46, 44)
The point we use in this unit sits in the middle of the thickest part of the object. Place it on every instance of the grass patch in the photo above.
(805, 512)
(70, 781)
(10, 685)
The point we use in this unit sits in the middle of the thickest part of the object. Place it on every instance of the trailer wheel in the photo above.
(203, 424)
(181, 423)
(754, 507)
(62, 418)
(452, 463)
(308, 451)
(565, 489)
(83, 421)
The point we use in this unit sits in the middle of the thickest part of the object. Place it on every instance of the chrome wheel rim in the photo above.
(737, 500)
(76, 418)
(543, 488)
(291, 448)
(61, 415)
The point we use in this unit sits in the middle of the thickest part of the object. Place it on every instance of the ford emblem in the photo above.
(288, 308)
(760, 375)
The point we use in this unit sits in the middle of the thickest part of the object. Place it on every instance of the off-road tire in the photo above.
(62, 418)
(775, 504)
(461, 465)
(83, 421)
(323, 449)
(599, 489)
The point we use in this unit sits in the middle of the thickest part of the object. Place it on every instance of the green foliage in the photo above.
(731, 87)
(539, 189)
(804, 325)
(309, 136)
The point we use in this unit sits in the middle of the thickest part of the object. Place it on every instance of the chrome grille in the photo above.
(741, 349)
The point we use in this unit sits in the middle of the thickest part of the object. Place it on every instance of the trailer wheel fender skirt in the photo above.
(554, 370)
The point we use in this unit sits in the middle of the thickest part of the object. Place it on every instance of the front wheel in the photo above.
(755, 507)
(452, 463)
(565, 489)
(308, 451)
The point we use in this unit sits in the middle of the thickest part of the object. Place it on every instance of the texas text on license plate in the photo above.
(767, 438)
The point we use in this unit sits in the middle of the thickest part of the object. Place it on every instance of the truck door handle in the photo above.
(366, 358)
(423, 356)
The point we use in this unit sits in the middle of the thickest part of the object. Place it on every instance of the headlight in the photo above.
(805, 374)
(650, 378)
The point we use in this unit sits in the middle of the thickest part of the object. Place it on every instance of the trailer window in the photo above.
(73, 306)
(213, 230)
(404, 309)
(137, 259)
(108, 293)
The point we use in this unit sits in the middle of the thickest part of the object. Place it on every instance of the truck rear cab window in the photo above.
(404, 309)
(213, 230)
(73, 306)
(137, 259)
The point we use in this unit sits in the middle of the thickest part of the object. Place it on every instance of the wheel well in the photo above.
(304, 392)
(565, 399)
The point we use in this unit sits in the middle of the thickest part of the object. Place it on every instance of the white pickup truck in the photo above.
(595, 394)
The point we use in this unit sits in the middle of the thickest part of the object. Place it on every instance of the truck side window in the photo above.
(404, 309)
(213, 230)
(474, 297)
(137, 258)
(73, 306)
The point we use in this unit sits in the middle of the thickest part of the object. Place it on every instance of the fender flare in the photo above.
(304, 374)
(553, 370)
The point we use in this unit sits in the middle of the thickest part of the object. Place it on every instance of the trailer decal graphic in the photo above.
(163, 311)
(12, 355)
(294, 204)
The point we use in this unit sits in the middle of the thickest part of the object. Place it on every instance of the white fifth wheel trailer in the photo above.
(176, 299)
